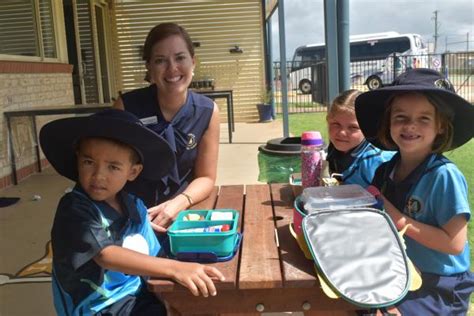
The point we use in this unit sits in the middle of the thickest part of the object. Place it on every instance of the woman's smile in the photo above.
(173, 79)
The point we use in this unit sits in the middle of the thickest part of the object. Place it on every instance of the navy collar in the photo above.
(399, 192)
(169, 131)
(356, 151)
(339, 161)
(183, 112)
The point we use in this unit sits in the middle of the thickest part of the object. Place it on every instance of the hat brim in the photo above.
(58, 141)
(370, 107)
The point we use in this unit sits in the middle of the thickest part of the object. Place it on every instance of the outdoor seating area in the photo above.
(331, 176)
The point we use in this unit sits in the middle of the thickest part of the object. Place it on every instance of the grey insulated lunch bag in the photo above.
(359, 256)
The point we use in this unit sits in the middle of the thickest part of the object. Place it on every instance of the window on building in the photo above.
(27, 28)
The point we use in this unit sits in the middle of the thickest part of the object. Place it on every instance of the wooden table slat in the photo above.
(259, 265)
(297, 270)
(273, 300)
(230, 197)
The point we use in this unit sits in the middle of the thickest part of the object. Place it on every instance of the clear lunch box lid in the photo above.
(336, 197)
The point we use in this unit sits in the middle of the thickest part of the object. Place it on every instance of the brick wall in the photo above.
(28, 86)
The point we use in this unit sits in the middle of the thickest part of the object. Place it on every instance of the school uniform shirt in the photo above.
(81, 229)
(358, 165)
(183, 133)
(433, 194)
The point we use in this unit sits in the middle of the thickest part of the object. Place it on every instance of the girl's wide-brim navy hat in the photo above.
(370, 106)
(59, 139)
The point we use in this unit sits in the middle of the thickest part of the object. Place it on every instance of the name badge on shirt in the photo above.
(149, 120)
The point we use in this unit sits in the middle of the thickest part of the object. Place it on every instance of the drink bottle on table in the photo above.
(311, 158)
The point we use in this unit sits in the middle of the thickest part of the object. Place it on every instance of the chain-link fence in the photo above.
(307, 83)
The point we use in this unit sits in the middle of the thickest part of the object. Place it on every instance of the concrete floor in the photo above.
(25, 288)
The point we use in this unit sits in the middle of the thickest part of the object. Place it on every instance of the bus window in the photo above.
(306, 56)
(315, 54)
(297, 58)
(379, 49)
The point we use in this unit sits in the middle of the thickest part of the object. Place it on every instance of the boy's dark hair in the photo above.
(441, 143)
(135, 157)
(161, 32)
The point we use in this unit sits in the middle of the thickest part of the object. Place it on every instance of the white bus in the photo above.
(369, 55)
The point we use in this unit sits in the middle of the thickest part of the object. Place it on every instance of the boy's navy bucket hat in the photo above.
(370, 106)
(59, 139)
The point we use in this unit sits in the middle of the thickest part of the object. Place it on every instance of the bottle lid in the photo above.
(311, 138)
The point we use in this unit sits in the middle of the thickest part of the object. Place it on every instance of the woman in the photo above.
(187, 120)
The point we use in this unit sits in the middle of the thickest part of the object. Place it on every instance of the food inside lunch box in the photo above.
(209, 229)
(193, 217)
(204, 231)
(218, 215)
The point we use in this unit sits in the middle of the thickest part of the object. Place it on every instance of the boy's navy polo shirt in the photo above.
(81, 229)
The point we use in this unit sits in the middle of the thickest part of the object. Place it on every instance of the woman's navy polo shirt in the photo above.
(183, 133)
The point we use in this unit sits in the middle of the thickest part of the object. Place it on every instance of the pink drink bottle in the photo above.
(311, 160)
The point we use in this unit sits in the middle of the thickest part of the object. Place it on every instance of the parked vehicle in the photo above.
(369, 50)
(391, 67)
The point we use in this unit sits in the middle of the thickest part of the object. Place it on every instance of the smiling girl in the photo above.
(349, 153)
(421, 117)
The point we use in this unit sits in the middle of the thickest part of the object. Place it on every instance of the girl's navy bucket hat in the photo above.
(59, 138)
(370, 106)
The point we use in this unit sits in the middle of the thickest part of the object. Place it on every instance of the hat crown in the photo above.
(58, 140)
(424, 78)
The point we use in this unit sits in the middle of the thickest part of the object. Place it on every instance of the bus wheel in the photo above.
(305, 86)
(374, 82)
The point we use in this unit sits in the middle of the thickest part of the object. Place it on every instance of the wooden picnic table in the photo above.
(269, 273)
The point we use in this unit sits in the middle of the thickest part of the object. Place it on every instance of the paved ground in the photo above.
(25, 226)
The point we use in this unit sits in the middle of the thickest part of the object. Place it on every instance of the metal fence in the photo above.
(307, 86)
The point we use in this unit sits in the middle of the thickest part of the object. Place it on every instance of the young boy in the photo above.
(102, 238)
(349, 154)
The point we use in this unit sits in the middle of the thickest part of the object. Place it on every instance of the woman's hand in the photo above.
(163, 215)
(197, 278)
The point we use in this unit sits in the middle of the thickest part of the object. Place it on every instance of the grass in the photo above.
(462, 156)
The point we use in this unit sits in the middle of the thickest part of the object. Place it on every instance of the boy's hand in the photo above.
(197, 278)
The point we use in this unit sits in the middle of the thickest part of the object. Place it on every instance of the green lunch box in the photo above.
(197, 233)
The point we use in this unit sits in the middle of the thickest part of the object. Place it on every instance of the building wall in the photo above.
(25, 85)
(217, 26)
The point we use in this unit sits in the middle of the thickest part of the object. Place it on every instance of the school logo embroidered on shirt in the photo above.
(413, 206)
(191, 141)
